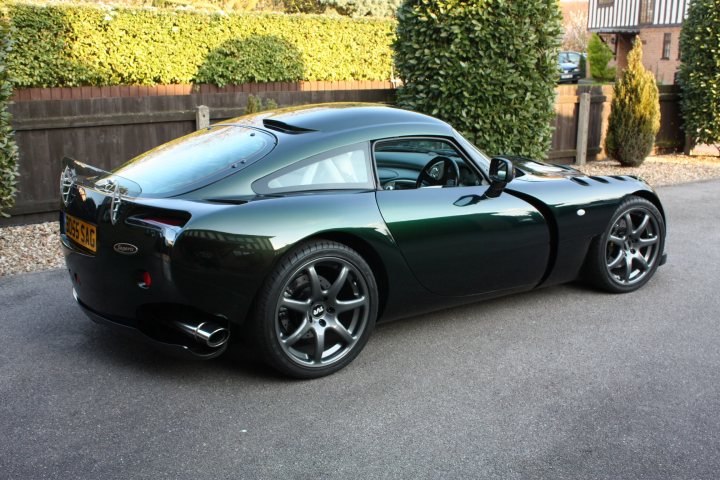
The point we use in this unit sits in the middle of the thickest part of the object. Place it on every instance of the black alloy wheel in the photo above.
(626, 256)
(316, 311)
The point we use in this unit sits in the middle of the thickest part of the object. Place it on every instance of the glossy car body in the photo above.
(206, 249)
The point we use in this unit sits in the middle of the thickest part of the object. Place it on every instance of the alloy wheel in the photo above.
(632, 246)
(322, 312)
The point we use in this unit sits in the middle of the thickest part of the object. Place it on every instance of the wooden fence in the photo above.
(108, 130)
(567, 109)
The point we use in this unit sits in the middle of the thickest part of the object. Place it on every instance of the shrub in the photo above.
(8, 148)
(576, 35)
(699, 75)
(84, 45)
(304, 6)
(254, 59)
(599, 54)
(255, 104)
(363, 8)
(488, 67)
(634, 112)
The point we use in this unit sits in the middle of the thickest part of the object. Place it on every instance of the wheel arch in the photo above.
(652, 198)
(371, 256)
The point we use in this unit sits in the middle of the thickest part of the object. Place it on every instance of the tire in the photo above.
(316, 310)
(622, 260)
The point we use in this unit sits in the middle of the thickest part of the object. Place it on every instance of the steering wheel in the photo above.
(439, 171)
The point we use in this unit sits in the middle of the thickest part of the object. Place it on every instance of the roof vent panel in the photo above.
(283, 127)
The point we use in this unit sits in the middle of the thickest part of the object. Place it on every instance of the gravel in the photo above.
(33, 248)
(29, 248)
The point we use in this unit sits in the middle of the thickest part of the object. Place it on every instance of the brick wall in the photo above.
(664, 69)
(653, 43)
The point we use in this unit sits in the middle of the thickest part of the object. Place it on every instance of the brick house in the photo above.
(656, 22)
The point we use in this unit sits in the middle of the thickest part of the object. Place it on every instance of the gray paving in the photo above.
(560, 383)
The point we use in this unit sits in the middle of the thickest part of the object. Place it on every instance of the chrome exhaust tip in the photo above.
(207, 333)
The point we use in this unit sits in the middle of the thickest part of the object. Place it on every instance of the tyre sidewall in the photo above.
(265, 333)
(605, 278)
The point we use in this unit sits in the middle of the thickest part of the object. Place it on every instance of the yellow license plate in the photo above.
(81, 232)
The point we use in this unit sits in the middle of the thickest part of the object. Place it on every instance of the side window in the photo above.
(343, 168)
(410, 163)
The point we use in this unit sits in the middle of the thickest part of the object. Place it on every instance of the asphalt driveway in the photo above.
(560, 383)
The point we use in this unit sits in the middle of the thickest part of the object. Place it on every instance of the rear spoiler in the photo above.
(79, 174)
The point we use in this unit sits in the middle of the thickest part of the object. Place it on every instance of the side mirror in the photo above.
(501, 173)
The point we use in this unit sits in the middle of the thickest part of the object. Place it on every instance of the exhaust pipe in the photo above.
(208, 333)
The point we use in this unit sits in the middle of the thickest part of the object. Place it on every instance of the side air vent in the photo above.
(600, 179)
(283, 127)
(580, 181)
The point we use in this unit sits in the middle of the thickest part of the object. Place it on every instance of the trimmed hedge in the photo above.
(700, 72)
(8, 148)
(253, 59)
(66, 46)
(488, 67)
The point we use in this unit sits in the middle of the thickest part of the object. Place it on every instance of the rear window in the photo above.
(196, 159)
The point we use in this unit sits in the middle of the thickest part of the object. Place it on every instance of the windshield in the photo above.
(196, 159)
(479, 156)
(569, 57)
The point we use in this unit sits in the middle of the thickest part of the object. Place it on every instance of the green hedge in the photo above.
(488, 67)
(700, 72)
(8, 148)
(84, 45)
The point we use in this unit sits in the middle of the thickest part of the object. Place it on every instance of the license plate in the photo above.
(81, 232)
(566, 76)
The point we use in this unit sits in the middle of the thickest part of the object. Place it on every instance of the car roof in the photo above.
(309, 130)
(333, 118)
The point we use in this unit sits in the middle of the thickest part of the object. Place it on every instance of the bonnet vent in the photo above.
(580, 181)
(283, 127)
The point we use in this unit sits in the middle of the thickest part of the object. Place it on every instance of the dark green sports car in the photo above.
(296, 230)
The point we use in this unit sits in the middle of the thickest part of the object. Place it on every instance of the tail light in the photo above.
(167, 221)
(144, 280)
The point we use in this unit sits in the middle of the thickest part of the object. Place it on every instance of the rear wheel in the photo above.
(626, 256)
(316, 311)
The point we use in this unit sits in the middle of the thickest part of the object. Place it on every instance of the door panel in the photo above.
(458, 242)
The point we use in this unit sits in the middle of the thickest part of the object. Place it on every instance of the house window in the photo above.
(666, 47)
(606, 3)
(647, 9)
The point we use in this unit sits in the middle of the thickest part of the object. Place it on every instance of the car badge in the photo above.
(115, 203)
(68, 179)
(125, 248)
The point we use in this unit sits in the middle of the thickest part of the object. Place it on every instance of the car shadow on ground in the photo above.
(118, 351)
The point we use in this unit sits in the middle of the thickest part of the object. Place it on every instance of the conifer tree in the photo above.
(635, 112)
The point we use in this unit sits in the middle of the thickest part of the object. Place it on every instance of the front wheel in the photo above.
(627, 254)
(316, 311)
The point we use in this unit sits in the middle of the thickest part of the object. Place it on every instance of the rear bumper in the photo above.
(128, 330)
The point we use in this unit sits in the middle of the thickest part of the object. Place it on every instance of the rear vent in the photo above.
(599, 179)
(159, 219)
(618, 177)
(283, 127)
(579, 181)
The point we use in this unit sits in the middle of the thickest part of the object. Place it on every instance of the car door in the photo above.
(456, 240)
